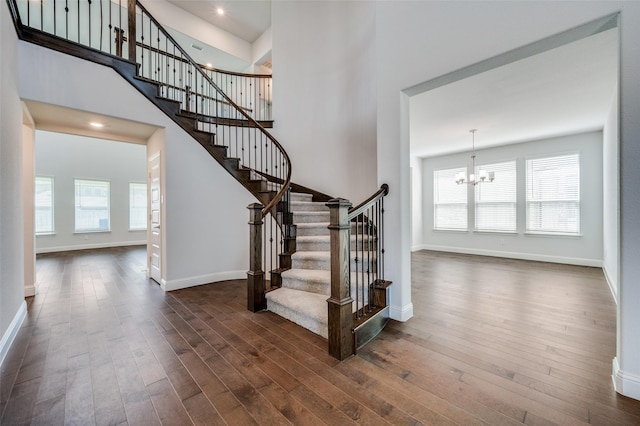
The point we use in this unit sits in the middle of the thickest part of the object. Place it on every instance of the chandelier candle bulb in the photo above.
(482, 175)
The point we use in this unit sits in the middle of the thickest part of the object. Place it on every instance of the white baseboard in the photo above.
(31, 290)
(613, 286)
(401, 313)
(516, 255)
(624, 383)
(170, 285)
(89, 246)
(419, 247)
(12, 331)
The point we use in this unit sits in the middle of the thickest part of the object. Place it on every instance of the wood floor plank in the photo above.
(492, 342)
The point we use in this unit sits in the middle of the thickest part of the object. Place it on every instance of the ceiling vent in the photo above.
(267, 64)
(195, 46)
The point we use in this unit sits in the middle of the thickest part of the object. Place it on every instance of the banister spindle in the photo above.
(131, 21)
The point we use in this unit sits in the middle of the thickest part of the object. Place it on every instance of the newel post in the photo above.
(131, 19)
(341, 339)
(255, 276)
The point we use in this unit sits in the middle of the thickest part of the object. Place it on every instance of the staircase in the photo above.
(302, 297)
(299, 286)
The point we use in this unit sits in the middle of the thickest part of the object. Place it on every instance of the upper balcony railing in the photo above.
(104, 25)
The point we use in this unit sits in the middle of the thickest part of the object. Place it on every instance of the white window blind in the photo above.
(137, 206)
(44, 205)
(449, 200)
(553, 194)
(495, 202)
(92, 205)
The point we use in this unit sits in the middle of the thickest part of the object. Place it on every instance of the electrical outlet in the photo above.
(501, 241)
(86, 237)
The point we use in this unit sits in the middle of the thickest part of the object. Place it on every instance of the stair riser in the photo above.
(325, 264)
(308, 207)
(296, 196)
(313, 287)
(311, 218)
(325, 245)
(325, 288)
(319, 230)
(312, 231)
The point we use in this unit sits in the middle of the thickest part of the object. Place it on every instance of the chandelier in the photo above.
(483, 175)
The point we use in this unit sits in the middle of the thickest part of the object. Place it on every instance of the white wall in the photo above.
(324, 87)
(261, 51)
(12, 305)
(419, 41)
(196, 27)
(611, 199)
(66, 157)
(28, 198)
(196, 187)
(583, 250)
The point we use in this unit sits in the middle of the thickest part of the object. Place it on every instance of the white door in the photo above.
(155, 250)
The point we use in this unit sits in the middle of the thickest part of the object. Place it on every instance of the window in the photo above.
(44, 205)
(449, 200)
(553, 194)
(92, 205)
(495, 206)
(137, 206)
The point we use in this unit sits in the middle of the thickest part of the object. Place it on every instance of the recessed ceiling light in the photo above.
(210, 65)
(220, 11)
(96, 124)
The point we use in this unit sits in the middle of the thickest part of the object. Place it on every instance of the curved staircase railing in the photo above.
(107, 25)
(162, 60)
(122, 34)
(251, 91)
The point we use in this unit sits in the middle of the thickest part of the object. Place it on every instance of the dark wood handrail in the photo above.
(238, 74)
(207, 68)
(285, 186)
(13, 7)
(360, 208)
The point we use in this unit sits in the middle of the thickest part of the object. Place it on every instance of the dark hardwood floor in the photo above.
(492, 341)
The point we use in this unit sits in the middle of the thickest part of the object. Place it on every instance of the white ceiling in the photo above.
(564, 90)
(67, 120)
(246, 19)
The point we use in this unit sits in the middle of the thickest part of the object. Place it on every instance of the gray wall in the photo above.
(611, 197)
(582, 250)
(324, 94)
(67, 157)
(11, 202)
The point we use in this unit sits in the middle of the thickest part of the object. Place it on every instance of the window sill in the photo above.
(449, 230)
(551, 234)
(45, 234)
(495, 232)
(93, 232)
(138, 230)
